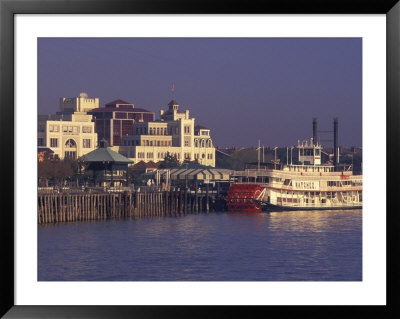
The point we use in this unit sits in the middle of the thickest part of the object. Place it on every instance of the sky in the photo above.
(243, 89)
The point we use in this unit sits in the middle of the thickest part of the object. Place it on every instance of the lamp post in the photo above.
(291, 155)
(263, 154)
(287, 155)
(275, 148)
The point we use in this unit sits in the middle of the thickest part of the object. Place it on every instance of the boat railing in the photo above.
(316, 205)
(290, 174)
(344, 188)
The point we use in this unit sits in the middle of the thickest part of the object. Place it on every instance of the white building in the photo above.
(78, 104)
(68, 135)
(174, 133)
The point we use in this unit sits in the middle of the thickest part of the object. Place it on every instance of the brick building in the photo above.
(116, 119)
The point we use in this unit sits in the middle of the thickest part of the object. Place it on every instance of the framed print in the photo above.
(122, 207)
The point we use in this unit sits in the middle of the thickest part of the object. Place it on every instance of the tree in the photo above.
(63, 171)
(54, 169)
(170, 161)
(186, 161)
(132, 175)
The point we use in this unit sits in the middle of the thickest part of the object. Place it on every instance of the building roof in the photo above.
(205, 173)
(105, 154)
(119, 101)
(116, 109)
(143, 165)
(200, 127)
(45, 149)
(197, 172)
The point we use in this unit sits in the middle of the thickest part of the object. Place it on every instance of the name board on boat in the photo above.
(306, 185)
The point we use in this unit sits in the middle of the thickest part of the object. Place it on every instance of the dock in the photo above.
(80, 206)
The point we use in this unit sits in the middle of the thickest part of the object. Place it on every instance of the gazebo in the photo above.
(109, 167)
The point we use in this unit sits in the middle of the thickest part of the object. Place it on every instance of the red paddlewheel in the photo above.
(240, 197)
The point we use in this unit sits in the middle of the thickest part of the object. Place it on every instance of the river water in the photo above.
(284, 246)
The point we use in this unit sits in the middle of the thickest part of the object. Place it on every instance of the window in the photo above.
(40, 141)
(117, 127)
(54, 128)
(86, 129)
(70, 155)
(308, 152)
(70, 144)
(86, 143)
(75, 130)
(150, 155)
(140, 154)
(120, 115)
(54, 142)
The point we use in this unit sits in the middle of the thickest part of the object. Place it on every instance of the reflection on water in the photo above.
(284, 246)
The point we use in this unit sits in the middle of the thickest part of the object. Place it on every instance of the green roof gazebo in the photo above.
(109, 167)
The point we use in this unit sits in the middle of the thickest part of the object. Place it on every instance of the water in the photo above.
(284, 246)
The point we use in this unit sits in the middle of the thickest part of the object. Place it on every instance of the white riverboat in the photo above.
(309, 185)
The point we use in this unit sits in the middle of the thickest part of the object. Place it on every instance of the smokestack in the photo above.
(335, 142)
(314, 130)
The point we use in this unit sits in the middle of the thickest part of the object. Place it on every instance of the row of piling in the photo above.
(72, 207)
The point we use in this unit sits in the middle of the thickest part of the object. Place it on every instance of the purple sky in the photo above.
(243, 89)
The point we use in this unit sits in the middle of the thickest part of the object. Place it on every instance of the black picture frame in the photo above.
(8, 8)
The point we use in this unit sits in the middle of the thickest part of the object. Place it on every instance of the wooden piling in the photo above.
(70, 207)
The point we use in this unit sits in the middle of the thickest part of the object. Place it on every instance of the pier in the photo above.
(82, 206)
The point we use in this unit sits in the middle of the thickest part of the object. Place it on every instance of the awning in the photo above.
(200, 174)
